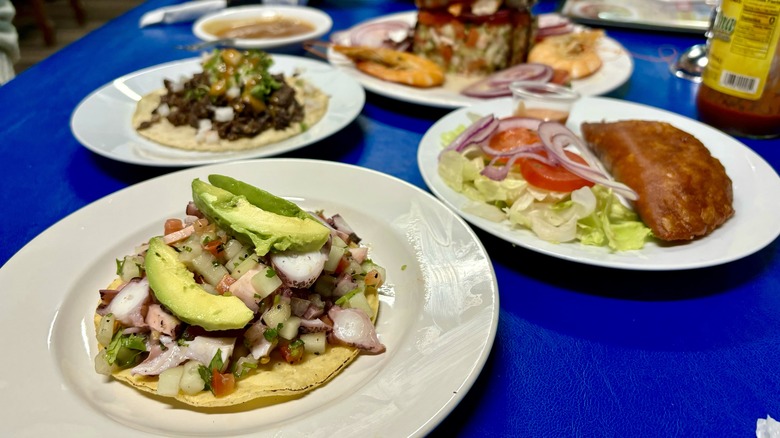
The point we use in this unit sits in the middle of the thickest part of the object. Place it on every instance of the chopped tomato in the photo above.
(215, 247)
(509, 139)
(173, 225)
(222, 384)
(556, 178)
(343, 264)
(224, 284)
(292, 352)
(473, 37)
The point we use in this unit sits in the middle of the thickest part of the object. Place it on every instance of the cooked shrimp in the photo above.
(574, 52)
(394, 66)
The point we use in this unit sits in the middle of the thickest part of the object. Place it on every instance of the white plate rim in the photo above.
(322, 24)
(463, 334)
(116, 101)
(755, 224)
(616, 71)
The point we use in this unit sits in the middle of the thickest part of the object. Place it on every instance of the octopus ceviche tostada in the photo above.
(247, 297)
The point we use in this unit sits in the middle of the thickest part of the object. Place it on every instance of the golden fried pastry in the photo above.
(684, 192)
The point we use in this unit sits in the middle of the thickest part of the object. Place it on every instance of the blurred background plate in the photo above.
(263, 27)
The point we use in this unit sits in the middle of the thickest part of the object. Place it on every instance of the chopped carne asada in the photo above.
(236, 93)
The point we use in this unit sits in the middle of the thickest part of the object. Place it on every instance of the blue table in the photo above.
(580, 350)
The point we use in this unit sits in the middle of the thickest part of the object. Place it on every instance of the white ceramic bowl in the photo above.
(321, 22)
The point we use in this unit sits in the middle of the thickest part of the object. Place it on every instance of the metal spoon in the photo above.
(691, 63)
(224, 42)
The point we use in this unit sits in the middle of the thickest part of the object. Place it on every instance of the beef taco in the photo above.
(234, 103)
(248, 297)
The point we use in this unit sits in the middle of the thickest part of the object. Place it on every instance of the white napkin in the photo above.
(188, 11)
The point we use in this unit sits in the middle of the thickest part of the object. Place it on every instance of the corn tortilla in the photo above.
(314, 101)
(274, 379)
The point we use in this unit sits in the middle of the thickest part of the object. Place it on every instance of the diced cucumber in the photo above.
(105, 330)
(168, 381)
(314, 342)
(337, 241)
(277, 314)
(189, 249)
(290, 327)
(334, 257)
(237, 259)
(191, 383)
(266, 282)
(232, 248)
(131, 267)
(209, 268)
(359, 301)
(243, 267)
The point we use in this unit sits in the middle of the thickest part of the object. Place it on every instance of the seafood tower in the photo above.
(474, 37)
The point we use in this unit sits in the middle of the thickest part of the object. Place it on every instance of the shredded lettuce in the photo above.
(591, 215)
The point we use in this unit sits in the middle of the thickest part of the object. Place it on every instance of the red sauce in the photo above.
(760, 118)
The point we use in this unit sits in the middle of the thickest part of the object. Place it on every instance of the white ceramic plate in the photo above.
(320, 21)
(102, 121)
(438, 321)
(755, 224)
(616, 69)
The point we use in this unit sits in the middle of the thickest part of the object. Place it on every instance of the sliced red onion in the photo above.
(497, 84)
(476, 133)
(552, 24)
(556, 136)
(392, 34)
(499, 173)
(522, 72)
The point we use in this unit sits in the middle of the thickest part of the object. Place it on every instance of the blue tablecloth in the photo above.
(580, 350)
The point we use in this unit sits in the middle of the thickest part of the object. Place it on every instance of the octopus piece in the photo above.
(201, 349)
(354, 328)
(130, 304)
(300, 269)
(162, 321)
(684, 192)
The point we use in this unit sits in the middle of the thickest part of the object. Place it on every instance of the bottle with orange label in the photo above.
(740, 89)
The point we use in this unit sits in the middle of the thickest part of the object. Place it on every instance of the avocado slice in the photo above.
(264, 229)
(258, 197)
(175, 287)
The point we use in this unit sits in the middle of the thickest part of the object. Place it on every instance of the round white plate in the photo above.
(320, 20)
(102, 121)
(438, 319)
(616, 70)
(755, 224)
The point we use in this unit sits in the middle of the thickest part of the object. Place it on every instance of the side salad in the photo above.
(539, 176)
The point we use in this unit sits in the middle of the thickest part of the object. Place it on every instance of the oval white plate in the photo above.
(321, 21)
(755, 224)
(616, 70)
(438, 323)
(102, 121)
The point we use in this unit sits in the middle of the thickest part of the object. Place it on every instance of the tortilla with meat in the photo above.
(277, 378)
(314, 101)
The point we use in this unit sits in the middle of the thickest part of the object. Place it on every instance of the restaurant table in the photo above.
(580, 350)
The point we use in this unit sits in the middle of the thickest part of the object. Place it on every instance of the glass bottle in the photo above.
(740, 89)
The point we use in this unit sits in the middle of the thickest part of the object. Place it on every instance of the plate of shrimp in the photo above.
(601, 65)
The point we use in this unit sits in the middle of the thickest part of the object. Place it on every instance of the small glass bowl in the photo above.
(546, 101)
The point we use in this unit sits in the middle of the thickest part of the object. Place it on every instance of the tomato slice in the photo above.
(556, 178)
(509, 139)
